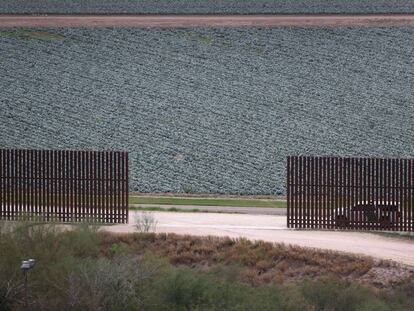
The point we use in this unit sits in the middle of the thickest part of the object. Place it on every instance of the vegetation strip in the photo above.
(170, 209)
(206, 202)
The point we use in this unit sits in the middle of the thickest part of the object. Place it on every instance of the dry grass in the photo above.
(262, 262)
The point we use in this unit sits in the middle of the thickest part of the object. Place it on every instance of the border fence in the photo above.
(63, 185)
(350, 193)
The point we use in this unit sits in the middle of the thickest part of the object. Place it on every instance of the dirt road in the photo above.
(176, 21)
(273, 229)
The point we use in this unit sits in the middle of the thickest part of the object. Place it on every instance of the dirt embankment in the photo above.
(264, 263)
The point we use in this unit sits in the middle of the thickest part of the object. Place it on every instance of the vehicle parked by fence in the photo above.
(382, 214)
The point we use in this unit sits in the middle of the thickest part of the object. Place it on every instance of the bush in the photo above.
(340, 296)
(145, 222)
(75, 272)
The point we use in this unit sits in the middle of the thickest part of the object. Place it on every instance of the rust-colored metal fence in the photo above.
(350, 193)
(63, 185)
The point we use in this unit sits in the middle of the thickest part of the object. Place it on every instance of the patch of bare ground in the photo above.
(259, 263)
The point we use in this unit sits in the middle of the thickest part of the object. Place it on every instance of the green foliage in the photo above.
(333, 295)
(73, 272)
(183, 289)
(207, 201)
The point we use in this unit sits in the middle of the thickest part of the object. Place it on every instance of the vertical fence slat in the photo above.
(4, 205)
(79, 207)
(352, 186)
(348, 189)
(312, 193)
(294, 169)
(400, 187)
(85, 206)
(301, 182)
(60, 184)
(8, 173)
(75, 203)
(2, 185)
(55, 201)
(70, 187)
(106, 169)
(403, 183)
(369, 188)
(88, 212)
(330, 170)
(377, 192)
(388, 191)
(306, 188)
(40, 215)
(15, 181)
(405, 203)
(126, 187)
(104, 189)
(122, 176)
(10, 214)
(98, 185)
(18, 181)
(306, 192)
(297, 191)
(117, 202)
(317, 201)
(92, 184)
(63, 186)
(410, 194)
(111, 185)
(326, 192)
(288, 191)
(6, 184)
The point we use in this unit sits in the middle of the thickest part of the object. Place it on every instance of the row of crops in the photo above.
(206, 6)
(209, 110)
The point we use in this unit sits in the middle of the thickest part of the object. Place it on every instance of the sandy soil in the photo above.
(273, 229)
(336, 20)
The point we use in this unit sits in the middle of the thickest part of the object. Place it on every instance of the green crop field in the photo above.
(209, 110)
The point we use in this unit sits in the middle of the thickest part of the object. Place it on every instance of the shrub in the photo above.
(145, 222)
(340, 296)
(76, 272)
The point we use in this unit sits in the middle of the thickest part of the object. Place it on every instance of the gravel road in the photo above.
(273, 229)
